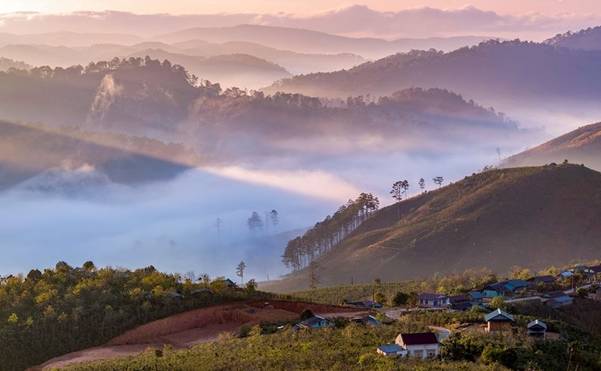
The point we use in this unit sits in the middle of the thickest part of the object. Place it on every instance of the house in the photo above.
(537, 328)
(498, 320)
(419, 345)
(509, 287)
(566, 274)
(476, 297)
(433, 301)
(460, 302)
(391, 350)
(368, 320)
(558, 299)
(546, 280)
(315, 322)
(488, 293)
(367, 304)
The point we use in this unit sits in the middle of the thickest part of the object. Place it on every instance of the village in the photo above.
(554, 291)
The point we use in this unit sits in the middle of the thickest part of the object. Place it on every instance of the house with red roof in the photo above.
(420, 345)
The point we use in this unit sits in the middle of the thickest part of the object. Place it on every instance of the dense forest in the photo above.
(60, 310)
(327, 234)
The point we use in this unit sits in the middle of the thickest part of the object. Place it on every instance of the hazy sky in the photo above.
(547, 7)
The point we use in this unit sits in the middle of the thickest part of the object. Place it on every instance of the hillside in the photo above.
(588, 39)
(536, 216)
(581, 146)
(28, 151)
(493, 71)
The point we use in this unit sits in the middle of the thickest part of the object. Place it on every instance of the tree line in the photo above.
(328, 233)
(61, 310)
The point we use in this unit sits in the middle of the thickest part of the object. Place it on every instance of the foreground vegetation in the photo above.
(50, 313)
(348, 348)
(352, 347)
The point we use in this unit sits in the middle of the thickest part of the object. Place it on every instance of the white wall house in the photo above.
(420, 345)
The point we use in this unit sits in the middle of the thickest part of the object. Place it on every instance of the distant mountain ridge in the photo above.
(307, 41)
(535, 217)
(493, 71)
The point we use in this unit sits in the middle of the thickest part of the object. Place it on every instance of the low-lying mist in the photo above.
(172, 226)
(198, 221)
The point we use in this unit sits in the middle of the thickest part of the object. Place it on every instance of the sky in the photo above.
(301, 7)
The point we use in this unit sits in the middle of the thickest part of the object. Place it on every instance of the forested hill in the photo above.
(60, 310)
(581, 146)
(149, 98)
(588, 39)
(493, 70)
(536, 216)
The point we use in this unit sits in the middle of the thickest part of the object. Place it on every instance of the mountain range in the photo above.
(192, 54)
(307, 41)
(493, 71)
(146, 97)
(353, 20)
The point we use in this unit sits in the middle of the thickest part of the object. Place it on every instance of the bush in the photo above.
(400, 298)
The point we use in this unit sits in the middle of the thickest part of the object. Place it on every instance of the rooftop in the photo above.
(420, 338)
(498, 315)
(537, 323)
(390, 348)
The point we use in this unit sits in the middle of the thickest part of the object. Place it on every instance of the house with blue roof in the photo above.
(391, 350)
(509, 287)
(498, 320)
(315, 322)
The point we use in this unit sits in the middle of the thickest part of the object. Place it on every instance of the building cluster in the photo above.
(545, 288)
(426, 345)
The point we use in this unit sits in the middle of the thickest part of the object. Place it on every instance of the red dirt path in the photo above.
(193, 327)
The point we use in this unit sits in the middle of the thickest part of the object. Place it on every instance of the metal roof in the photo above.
(537, 323)
(390, 348)
(492, 316)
